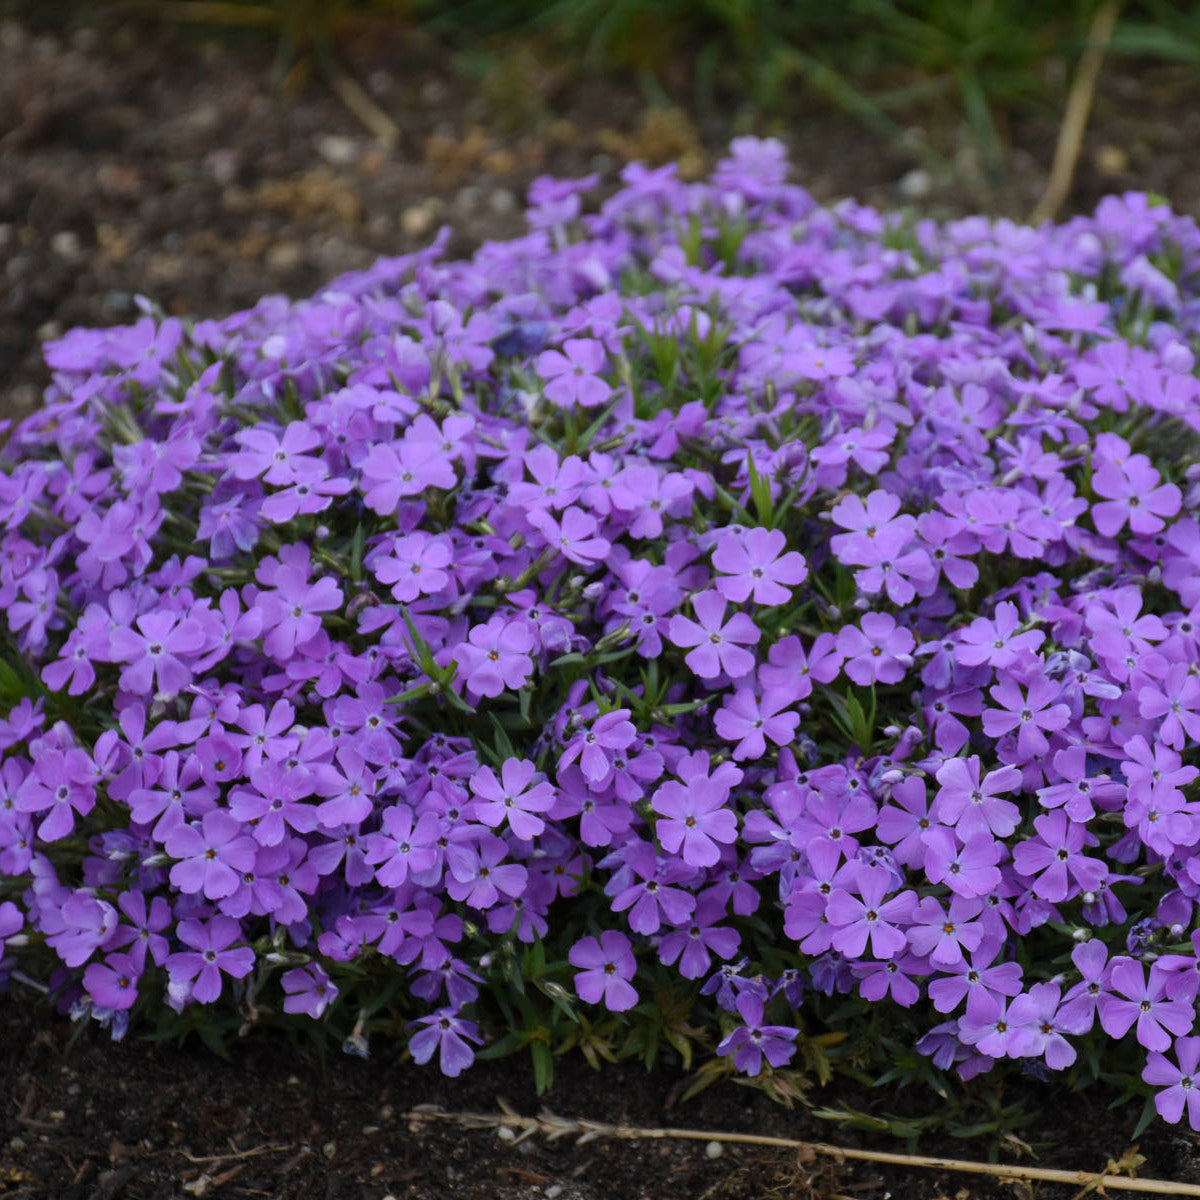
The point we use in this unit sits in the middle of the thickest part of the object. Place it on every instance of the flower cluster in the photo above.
(711, 595)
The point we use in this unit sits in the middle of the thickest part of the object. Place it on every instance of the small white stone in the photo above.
(916, 184)
(65, 244)
(336, 149)
(714, 1150)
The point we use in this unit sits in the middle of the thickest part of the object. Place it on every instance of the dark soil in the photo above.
(137, 160)
(87, 1119)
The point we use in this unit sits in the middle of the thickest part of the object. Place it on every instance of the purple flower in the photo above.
(113, 983)
(749, 720)
(994, 1029)
(942, 936)
(1037, 1012)
(1054, 858)
(606, 967)
(996, 641)
(572, 374)
(494, 657)
(446, 1034)
(156, 653)
(754, 564)
(753, 1041)
(597, 744)
(1180, 1083)
(575, 535)
(718, 643)
(695, 943)
(1132, 493)
(1032, 713)
(866, 915)
(967, 868)
(1134, 999)
(415, 566)
(196, 974)
(308, 990)
(970, 803)
(879, 652)
(213, 854)
(517, 797)
(694, 817)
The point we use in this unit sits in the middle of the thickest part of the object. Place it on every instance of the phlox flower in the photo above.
(755, 564)
(196, 973)
(494, 657)
(752, 1041)
(968, 869)
(749, 719)
(694, 943)
(718, 643)
(1179, 1081)
(308, 990)
(448, 1035)
(1144, 1002)
(1132, 493)
(970, 801)
(606, 967)
(156, 652)
(574, 535)
(572, 374)
(694, 817)
(518, 797)
(863, 914)
(879, 652)
(1054, 860)
(996, 641)
(1033, 713)
(1037, 1012)
(113, 983)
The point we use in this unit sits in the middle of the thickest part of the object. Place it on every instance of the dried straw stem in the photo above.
(554, 1127)
(1075, 117)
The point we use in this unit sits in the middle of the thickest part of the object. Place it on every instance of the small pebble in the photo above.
(714, 1150)
(417, 221)
(1112, 160)
(502, 202)
(916, 184)
(337, 149)
(505, 1134)
(284, 256)
(65, 244)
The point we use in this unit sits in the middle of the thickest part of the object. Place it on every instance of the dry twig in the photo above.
(554, 1127)
(1075, 118)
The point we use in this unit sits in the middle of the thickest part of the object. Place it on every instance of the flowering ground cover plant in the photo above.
(713, 624)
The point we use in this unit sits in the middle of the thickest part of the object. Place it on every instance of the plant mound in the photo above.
(711, 623)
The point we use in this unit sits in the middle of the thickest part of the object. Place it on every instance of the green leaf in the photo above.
(356, 552)
(760, 490)
(503, 746)
(543, 1066)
